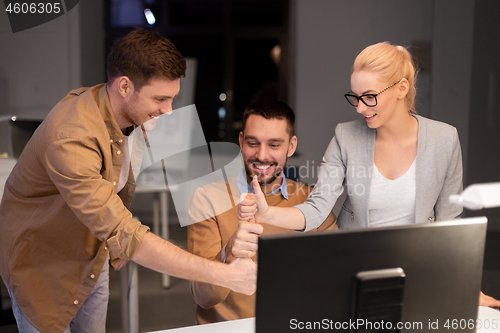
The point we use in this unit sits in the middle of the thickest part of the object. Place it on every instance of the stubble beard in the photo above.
(264, 182)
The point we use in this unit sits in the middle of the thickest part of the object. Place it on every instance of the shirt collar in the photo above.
(244, 187)
(114, 130)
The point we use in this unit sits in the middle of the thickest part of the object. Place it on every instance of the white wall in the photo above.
(42, 64)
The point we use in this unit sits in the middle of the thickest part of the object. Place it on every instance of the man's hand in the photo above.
(164, 257)
(488, 301)
(243, 276)
(252, 206)
(243, 243)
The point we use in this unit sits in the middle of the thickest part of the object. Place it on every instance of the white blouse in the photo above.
(392, 202)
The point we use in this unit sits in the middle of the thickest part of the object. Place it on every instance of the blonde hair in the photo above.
(393, 63)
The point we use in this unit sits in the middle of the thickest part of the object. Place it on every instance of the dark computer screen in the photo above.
(308, 281)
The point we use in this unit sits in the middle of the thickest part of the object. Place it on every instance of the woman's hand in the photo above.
(485, 300)
(252, 206)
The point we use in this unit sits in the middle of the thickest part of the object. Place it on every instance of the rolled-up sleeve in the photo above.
(75, 166)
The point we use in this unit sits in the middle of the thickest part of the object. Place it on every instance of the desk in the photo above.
(486, 315)
(239, 326)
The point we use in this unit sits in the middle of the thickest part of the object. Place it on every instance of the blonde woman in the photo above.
(396, 166)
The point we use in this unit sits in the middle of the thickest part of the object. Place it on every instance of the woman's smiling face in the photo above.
(364, 82)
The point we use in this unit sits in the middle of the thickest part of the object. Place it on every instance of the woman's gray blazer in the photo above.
(348, 162)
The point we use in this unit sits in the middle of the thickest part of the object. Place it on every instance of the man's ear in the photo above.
(125, 86)
(240, 139)
(292, 146)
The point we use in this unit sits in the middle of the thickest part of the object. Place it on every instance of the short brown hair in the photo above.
(142, 55)
(271, 109)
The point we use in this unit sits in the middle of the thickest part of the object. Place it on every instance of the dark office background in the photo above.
(232, 41)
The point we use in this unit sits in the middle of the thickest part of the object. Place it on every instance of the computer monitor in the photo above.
(308, 281)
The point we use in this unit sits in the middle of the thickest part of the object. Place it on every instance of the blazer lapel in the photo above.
(367, 161)
(424, 173)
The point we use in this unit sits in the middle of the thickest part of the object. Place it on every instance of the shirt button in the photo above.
(120, 141)
(106, 248)
(75, 302)
(111, 140)
(118, 152)
(114, 183)
(92, 276)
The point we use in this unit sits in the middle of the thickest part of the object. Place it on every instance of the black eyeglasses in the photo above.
(367, 99)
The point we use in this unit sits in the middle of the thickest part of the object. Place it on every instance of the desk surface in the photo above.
(240, 326)
(489, 319)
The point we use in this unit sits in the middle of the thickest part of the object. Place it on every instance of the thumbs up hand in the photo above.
(252, 206)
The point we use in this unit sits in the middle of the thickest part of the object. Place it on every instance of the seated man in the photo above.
(266, 142)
